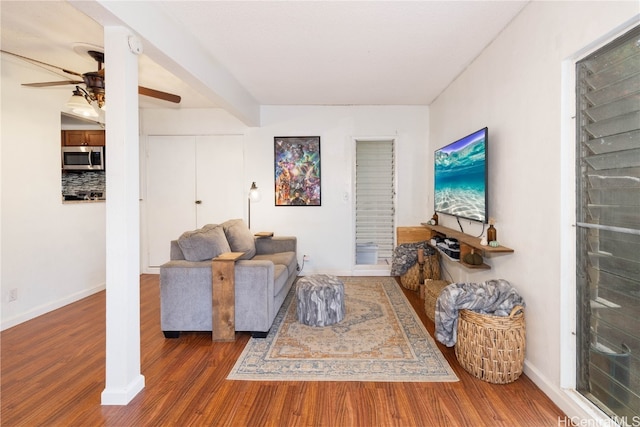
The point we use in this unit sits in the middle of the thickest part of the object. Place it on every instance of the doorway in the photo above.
(375, 200)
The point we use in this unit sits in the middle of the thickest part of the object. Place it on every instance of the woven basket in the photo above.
(431, 270)
(432, 292)
(491, 347)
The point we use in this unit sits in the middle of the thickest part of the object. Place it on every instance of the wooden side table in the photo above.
(262, 234)
(223, 290)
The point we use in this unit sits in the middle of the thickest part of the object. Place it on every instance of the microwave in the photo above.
(83, 158)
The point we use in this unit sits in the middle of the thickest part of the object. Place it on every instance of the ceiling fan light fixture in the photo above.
(94, 94)
(79, 104)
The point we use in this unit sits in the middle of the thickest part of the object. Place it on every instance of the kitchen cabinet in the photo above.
(83, 137)
(191, 181)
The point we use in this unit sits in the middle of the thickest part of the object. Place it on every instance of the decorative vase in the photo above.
(492, 233)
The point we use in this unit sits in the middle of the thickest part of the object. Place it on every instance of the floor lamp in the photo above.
(254, 196)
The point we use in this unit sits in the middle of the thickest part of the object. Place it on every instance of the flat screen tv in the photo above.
(461, 177)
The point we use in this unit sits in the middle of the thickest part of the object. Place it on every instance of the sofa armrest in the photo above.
(254, 295)
(183, 263)
(174, 251)
(277, 244)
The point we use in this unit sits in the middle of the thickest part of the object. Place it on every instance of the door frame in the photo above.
(364, 269)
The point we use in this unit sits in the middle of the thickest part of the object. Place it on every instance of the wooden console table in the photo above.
(223, 291)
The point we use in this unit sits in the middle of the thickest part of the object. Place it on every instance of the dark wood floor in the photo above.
(53, 374)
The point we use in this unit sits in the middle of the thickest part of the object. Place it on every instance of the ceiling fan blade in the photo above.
(35, 61)
(47, 84)
(159, 94)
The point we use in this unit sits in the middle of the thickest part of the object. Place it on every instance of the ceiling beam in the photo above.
(174, 49)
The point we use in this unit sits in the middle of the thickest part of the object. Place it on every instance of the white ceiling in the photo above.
(287, 52)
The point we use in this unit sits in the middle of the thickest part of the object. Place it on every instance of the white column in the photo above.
(123, 378)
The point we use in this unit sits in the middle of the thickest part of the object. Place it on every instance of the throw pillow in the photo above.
(204, 244)
(240, 238)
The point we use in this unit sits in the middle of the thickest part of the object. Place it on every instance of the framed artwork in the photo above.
(297, 170)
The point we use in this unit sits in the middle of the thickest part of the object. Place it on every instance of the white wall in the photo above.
(515, 87)
(325, 233)
(51, 253)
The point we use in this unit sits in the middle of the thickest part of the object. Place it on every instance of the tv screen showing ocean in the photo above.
(460, 181)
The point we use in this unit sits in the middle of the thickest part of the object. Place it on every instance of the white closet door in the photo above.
(171, 193)
(219, 179)
(191, 181)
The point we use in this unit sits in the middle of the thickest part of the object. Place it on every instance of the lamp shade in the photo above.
(254, 194)
(79, 105)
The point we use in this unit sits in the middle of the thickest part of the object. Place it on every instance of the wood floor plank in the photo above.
(53, 368)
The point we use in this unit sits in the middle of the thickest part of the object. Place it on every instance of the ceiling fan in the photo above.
(94, 81)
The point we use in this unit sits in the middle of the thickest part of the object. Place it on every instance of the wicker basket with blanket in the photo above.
(405, 264)
(491, 347)
(430, 270)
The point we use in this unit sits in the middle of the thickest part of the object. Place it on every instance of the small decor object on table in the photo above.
(434, 218)
(492, 234)
(472, 258)
(320, 300)
(421, 272)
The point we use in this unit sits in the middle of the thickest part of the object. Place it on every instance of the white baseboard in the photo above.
(50, 306)
(122, 395)
(572, 403)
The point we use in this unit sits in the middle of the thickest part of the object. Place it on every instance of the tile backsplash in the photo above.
(82, 181)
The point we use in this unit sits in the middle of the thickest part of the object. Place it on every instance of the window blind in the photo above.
(608, 226)
(375, 194)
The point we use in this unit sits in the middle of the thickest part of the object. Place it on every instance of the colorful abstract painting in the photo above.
(297, 170)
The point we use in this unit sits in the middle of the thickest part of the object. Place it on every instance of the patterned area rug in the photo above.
(380, 339)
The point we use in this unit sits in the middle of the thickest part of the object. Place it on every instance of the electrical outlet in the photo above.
(306, 257)
(13, 294)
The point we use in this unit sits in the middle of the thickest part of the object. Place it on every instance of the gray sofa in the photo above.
(263, 277)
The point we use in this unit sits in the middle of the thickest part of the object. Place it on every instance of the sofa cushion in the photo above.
(288, 259)
(240, 237)
(204, 244)
(279, 279)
